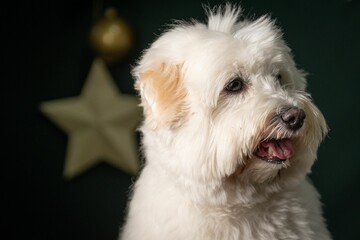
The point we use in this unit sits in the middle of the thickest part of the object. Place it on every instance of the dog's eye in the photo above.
(235, 85)
(279, 78)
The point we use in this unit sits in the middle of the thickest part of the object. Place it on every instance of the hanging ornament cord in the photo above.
(97, 9)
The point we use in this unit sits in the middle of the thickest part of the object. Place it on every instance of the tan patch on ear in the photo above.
(166, 86)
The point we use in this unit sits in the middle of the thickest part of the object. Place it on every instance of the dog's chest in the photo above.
(276, 219)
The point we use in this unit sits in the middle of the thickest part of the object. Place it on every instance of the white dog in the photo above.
(229, 135)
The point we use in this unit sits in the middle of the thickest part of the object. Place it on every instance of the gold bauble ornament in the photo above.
(110, 37)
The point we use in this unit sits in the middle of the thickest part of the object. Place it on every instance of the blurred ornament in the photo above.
(100, 123)
(110, 37)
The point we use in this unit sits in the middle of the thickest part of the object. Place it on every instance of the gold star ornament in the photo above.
(100, 124)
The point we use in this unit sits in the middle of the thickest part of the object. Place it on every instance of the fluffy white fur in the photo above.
(201, 179)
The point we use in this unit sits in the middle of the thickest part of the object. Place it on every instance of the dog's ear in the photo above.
(162, 93)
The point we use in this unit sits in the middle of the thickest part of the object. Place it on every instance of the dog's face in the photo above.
(226, 106)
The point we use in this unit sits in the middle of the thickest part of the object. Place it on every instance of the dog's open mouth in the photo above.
(275, 151)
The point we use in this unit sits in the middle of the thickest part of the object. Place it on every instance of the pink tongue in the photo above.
(282, 149)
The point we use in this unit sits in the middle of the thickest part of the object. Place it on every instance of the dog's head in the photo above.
(225, 106)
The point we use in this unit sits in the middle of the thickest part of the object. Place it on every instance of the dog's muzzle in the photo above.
(278, 150)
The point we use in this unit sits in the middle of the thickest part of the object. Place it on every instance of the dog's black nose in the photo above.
(293, 118)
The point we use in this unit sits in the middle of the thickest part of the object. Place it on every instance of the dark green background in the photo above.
(47, 57)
